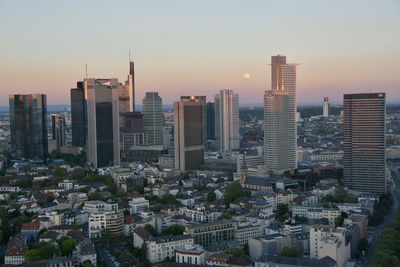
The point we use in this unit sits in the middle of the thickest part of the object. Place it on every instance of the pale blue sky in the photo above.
(199, 47)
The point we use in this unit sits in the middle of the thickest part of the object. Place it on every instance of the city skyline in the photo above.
(230, 48)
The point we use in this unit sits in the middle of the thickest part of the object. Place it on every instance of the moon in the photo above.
(246, 75)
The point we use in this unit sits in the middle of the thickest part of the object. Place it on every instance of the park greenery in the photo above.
(291, 252)
(387, 250)
(233, 192)
(46, 251)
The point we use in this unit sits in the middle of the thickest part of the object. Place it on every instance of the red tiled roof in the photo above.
(16, 251)
(31, 226)
(128, 220)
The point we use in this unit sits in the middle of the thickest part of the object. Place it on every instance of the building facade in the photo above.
(103, 122)
(58, 130)
(28, 126)
(227, 120)
(188, 133)
(153, 118)
(78, 115)
(364, 145)
(280, 117)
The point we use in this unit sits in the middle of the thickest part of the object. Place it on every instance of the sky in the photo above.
(187, 47)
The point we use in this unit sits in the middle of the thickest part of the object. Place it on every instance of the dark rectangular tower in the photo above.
(28, 126)
(364, 142)
(78, 115)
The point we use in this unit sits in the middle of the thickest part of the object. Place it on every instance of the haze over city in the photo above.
(188, 47)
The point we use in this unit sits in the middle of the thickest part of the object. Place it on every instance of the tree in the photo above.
(290, 252)
(67, 245)
(175, 229)
(211, 196)
(236, 252)
(233, 192)
(340, 220)
(149, 228)
(301, 219)
(58, 172)
(324, 221)
(282, 212)
(109, 238)
(43, 253)
(95, 196)
(78, 173)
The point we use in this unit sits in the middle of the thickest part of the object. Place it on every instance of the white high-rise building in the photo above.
(227, 120)
(153, 121)
(280, 117)
(103, 122)
(325, 111)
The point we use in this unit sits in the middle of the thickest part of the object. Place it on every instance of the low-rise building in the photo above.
(208, 234)
(329, 241)
(244, 232)
(191, 254)
(160, 247)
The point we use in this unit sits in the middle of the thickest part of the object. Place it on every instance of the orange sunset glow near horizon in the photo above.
(200, 47)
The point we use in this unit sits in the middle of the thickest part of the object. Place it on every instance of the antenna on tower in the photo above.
(130, 55)
(86, 70)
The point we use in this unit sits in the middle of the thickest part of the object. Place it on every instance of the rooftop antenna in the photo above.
(86, 70)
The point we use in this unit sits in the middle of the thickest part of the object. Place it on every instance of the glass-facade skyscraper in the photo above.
(364, 128)
(78, 115)
(28, 126)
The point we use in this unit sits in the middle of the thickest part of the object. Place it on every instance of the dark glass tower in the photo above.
(364, 142)
(28, 126)
(210, 121)
(78, 115)
(58, 130)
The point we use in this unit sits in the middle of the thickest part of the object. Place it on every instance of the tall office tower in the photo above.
(78, 115)
(227, 120)
(133, 132)
(325, 111)
(364, 142)
(210, 108)
(188, 133)
(153, 118)
(280, 117)
(279, 128)
(28, 126)
(124, 103)
(103, 122)
(58, 130)
(203, 101)
(131, 84)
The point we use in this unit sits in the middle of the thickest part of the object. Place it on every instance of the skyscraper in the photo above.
(131, 84)
(28, 126)
(203, 101)
(280, 117)
(188, 133)
(227, 120)
(210, 108)
(103, 122)
(58, 130)
(364, 142)
(153, 118)
(325, 111)
(279, 127)
(78, 115)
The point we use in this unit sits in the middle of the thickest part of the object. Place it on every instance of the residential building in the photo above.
(102, 113)
(160, 247)
(138, 205)
(207, 234)
(364, 129)
(270, 244)
(331, 242)
(191, 254)
(227, 120)
(244, 232)
(28, 126)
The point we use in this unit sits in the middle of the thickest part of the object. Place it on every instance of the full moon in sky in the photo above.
(246, 75)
